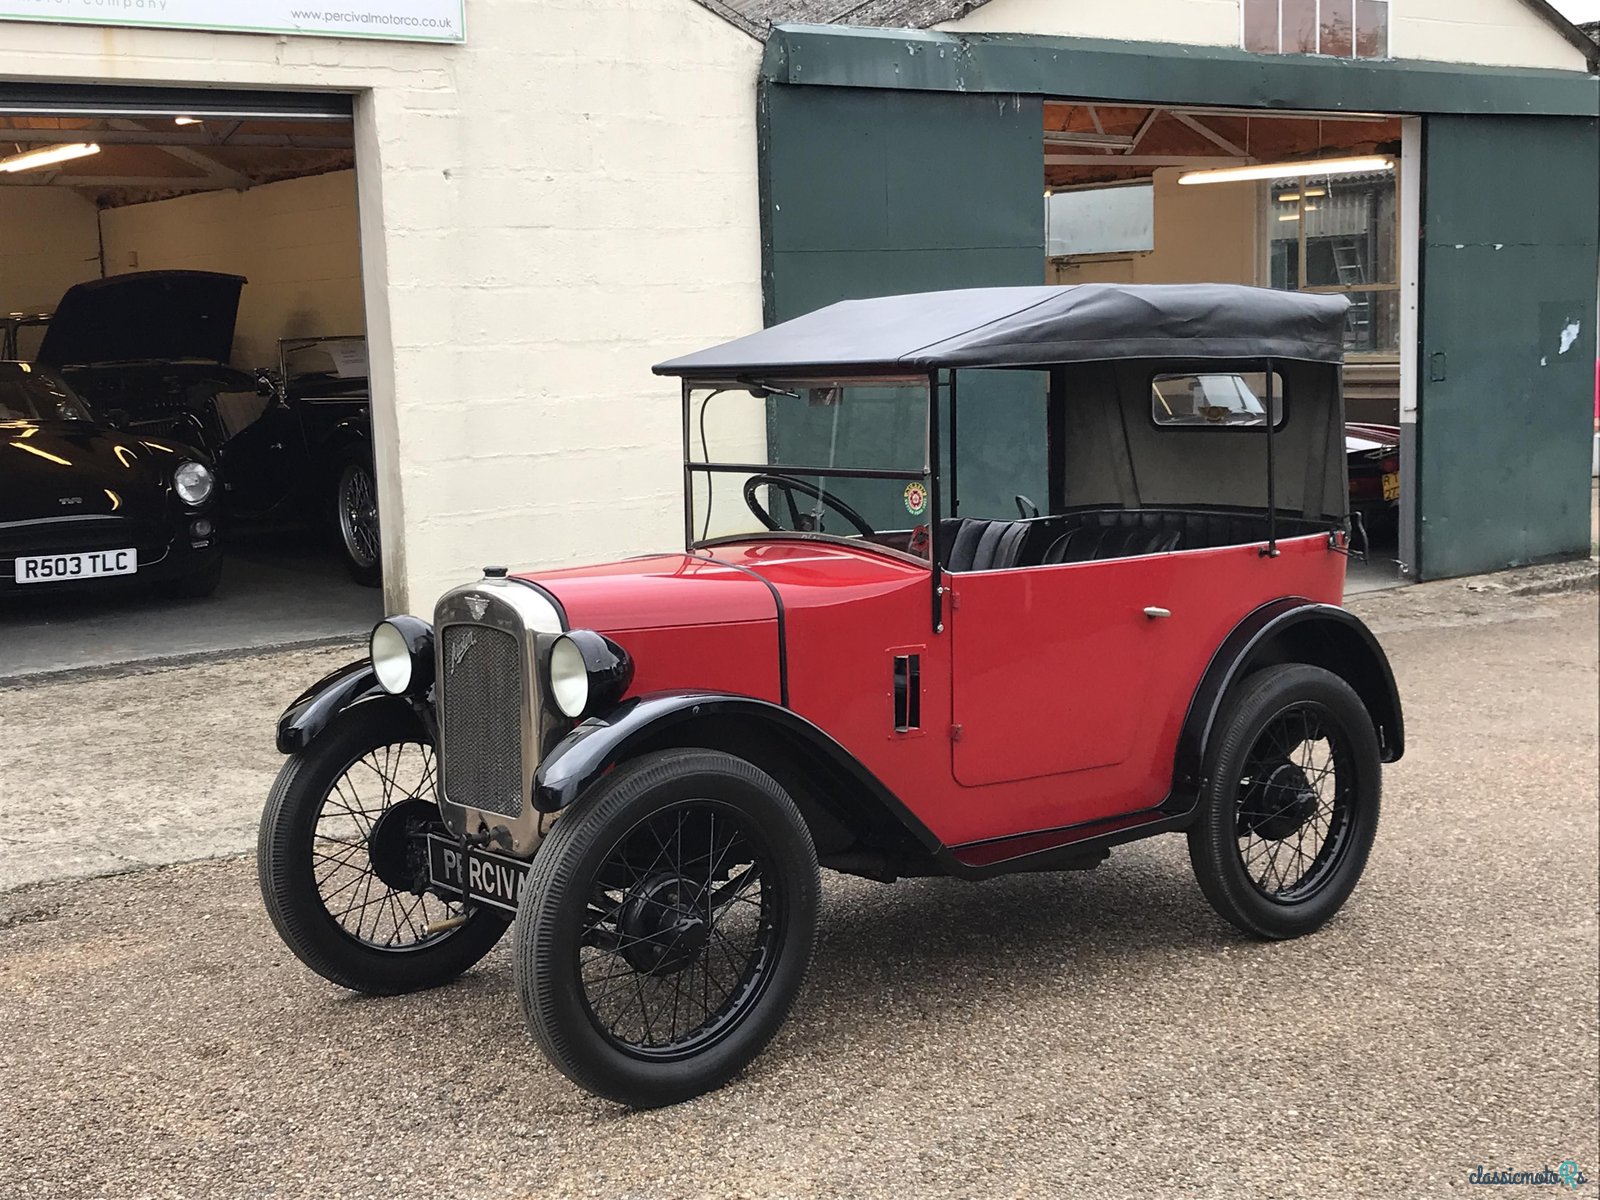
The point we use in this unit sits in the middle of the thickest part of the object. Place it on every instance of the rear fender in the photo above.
(316, 707)
(1291, 630)
(843, 803)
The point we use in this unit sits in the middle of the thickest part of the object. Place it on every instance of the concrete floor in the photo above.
(1099, 1035)
(276, 590)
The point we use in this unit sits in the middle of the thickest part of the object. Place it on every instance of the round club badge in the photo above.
(916, 498)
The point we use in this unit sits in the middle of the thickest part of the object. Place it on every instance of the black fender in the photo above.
(815, 769)
(1287, 631)
(340, 690)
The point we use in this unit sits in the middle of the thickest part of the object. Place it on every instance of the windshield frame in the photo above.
(782, 387)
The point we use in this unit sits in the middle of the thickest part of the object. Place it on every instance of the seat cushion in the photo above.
(979, 545)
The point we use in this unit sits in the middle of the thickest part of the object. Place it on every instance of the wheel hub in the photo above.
(1278, 803)
(663, 926)
(397, 852)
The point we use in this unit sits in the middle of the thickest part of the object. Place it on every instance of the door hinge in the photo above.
(955, 733)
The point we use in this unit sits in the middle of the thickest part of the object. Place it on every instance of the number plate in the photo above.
(52, 568)
(1391, 485)
(477, 876)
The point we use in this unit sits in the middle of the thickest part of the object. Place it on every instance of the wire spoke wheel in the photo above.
(364, 854)
(1289, 807)
(342, 859)
(1295, 803)
(680, 932)
(358, 514)
(666, 926)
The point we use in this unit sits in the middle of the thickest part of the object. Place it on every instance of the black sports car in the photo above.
(81, 501)
(150, 349)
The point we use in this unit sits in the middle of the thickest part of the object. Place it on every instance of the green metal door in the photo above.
(873, 192)
(1507, 368)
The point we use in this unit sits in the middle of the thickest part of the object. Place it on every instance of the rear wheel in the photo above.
(340, 866)
(666, 926)
(1290, 807)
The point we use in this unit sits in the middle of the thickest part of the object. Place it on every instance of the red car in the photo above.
(859, 660)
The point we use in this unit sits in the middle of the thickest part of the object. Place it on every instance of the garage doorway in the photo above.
(1168, 194)
(185, 266)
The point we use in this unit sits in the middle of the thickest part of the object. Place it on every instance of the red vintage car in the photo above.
(875, 653)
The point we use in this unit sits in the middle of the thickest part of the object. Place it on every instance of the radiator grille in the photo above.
(482, 708)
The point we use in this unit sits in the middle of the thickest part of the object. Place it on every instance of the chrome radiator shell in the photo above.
(493, 714)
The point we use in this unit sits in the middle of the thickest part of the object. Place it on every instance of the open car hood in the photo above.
(144, 316)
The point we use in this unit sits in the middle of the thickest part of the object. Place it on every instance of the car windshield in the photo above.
(29, 394)
(335, 357)
(836, 458)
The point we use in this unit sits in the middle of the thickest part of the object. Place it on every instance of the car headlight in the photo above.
(588, 672)
(193, 482)
(401, 649)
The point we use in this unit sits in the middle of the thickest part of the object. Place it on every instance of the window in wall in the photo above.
(1101, 220)
(1338, 234)
(1341, 28)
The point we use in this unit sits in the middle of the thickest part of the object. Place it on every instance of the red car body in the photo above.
(1001, 750)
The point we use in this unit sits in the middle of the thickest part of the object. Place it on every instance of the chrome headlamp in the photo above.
(401, 649)
(588, 672)
(193, 482)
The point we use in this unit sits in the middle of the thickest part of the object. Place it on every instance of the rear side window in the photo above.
(1217, 400)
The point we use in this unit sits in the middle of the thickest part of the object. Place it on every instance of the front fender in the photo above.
(602, 742)
(312, 710)
(1289, 630)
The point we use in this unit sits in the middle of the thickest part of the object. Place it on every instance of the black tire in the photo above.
(1294, 756)
(594, 853)
(196, 585)
(302, 892)
(354, 515)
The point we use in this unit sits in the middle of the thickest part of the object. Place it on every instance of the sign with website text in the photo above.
(401, 20)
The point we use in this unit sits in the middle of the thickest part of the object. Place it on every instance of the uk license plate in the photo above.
(474, 874)
(52, 568)
(1391, 485)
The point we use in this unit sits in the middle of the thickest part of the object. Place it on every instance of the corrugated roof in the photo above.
(757, 17)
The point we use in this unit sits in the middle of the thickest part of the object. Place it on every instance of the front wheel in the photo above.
(340, 863)
(1290, 806)
(666, 926)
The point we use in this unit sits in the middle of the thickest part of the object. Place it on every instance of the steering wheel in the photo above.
(802, 522)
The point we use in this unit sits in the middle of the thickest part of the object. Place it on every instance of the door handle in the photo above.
(1155, 613)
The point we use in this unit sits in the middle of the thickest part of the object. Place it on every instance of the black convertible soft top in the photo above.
(1035, 326)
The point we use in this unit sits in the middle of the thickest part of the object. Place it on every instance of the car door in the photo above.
(263, 460)
(1051, 665)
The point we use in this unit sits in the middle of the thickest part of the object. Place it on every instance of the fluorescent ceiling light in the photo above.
(1289, 170)
(30, 159)
(186, 120)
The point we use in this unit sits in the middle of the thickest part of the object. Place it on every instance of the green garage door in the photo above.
(1509, 237)
(872, 192)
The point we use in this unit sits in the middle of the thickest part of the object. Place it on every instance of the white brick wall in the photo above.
(47, 243)
(299, 250)
(545, 211)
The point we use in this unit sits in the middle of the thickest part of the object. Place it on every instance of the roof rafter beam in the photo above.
(1144, 128)
(1210, 134)
(1145, 160)
(215, 172)
(1067, 137)
(125, 137)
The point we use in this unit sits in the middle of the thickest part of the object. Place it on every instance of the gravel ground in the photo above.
(1099, 1035)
